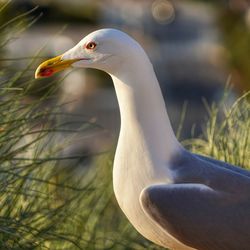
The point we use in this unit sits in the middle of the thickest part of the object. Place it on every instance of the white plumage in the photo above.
(172, 197)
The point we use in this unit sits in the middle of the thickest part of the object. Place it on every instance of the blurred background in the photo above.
(196, 47)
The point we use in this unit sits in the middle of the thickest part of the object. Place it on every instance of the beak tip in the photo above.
(52, 66)
(37, 73)
(37, 76)
(43, 72)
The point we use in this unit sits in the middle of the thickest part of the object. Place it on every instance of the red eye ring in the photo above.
(91, 45)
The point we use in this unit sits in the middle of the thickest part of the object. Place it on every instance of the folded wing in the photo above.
(200, 216)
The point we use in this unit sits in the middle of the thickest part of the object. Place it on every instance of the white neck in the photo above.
(142, 108)
(146, 141)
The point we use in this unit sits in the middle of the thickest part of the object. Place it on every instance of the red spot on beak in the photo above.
(46, 72)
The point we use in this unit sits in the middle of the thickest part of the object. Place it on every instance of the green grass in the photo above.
(226, 134)
(43, 206)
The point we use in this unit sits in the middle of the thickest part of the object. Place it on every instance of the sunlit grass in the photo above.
(226, 134)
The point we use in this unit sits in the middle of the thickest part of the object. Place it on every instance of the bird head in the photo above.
(104, 49)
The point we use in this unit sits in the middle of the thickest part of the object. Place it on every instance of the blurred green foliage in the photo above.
(236, 35)
(235, 31)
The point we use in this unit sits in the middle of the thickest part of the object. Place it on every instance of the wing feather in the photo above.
(199, 216)
(224, 165)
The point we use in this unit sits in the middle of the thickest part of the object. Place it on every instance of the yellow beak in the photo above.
(52, 66)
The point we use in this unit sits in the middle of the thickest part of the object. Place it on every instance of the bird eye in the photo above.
(91, 45)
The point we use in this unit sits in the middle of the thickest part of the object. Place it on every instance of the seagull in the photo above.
(174, 198)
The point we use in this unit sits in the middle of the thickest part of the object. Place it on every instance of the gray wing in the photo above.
(199, 216)
(186, 167)
(224, 165)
